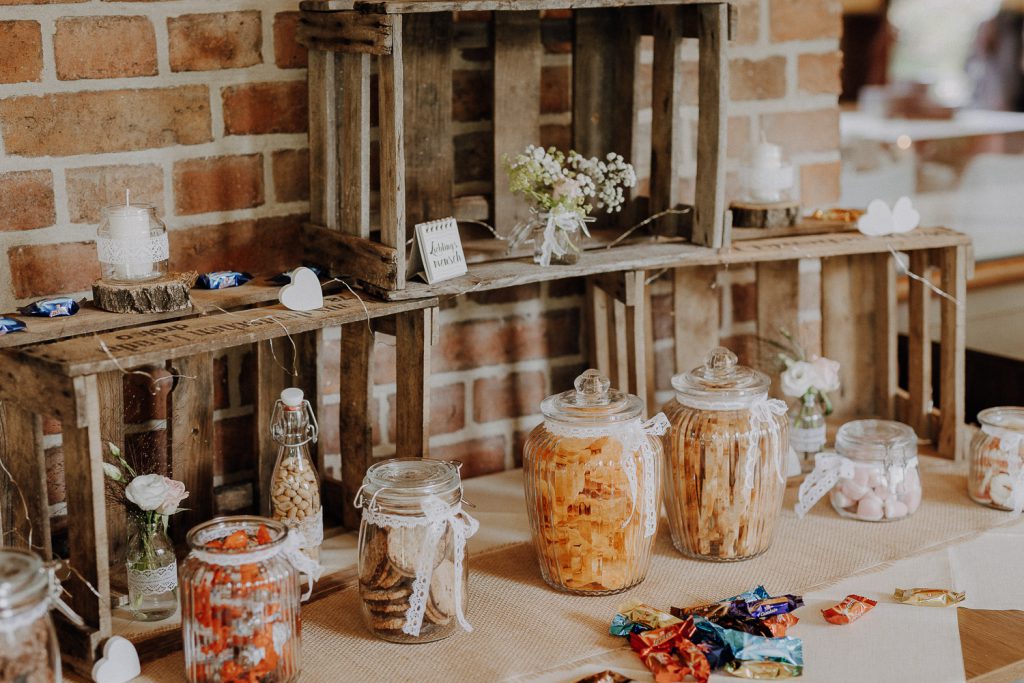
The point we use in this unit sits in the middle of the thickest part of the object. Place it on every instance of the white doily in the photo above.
(1009, 446)
(311, 528)
(290, 548)
(830, 468)
(153, 581)
(132, 251)
(437, 516)
(633, 435)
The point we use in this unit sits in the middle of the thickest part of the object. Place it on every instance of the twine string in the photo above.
(153, 381)
(905, 269)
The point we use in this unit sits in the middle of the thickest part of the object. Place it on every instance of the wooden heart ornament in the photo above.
(879, 219)
(119, 663)
(304, 293)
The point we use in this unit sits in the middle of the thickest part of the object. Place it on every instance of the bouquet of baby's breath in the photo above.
(565, 190)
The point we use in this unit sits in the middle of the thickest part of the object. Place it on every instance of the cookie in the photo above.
(387, 622)
(386, 594)
(373, 560)
(442, 588)
(387, 578)
(435, 616)
(408, 544)
(393, 607)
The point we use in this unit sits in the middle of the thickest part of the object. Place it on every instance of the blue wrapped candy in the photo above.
(747, 647)
(8, 325)
(51, 308)
(222, 279)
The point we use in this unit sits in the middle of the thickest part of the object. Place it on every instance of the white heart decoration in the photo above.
(304, 293)
(879, 219)
(119, 663)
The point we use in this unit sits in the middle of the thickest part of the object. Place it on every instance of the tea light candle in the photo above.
(130, 224)
(767, 176)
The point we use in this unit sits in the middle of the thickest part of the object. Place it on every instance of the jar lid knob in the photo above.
(719, 362)
(592, 388)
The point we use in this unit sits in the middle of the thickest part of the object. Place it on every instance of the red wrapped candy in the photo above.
(852, 608)
(670, 654)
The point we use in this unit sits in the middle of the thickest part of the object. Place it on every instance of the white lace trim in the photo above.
(807, 439)
(633, 435)
(290, 548)
(1009, 446)
(311, 528)
(437, 516)
(153, 581)
(830, 467)
(125, 252)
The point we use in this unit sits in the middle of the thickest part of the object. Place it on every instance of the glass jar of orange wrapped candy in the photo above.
(725, 476)
(592, 473)
(240, 601)
(996, 474)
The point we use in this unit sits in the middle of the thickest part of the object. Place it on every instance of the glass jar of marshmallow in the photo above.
(885, 484)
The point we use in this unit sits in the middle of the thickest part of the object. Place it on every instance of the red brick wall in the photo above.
(202, 111)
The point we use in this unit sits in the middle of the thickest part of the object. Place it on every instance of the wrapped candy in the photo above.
(605, 677)
(852, 608)
(8, 325)
(721, 607)
(759, 609)
(747, 647)
(765, 671)
(928, 597)
(669, 653)
(636, 617)
(780, 623)
(51, 308)
(222, 279)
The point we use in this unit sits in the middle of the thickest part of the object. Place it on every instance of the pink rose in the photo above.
(827, 372)
(172, 498)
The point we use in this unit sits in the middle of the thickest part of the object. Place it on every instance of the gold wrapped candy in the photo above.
(927, 597)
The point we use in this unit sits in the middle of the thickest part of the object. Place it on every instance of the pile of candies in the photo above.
(744, 635)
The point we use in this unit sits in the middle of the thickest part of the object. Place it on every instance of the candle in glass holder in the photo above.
(129, 225)
(767, 176)
(132, 243)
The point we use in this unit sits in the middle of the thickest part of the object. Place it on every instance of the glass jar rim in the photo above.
(112, 208)
(197, 541)
(876, 440)
(1003, 417)
(406, 480)
(24, 581)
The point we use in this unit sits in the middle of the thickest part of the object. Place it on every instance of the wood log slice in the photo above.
(767, 215)
(168, 293)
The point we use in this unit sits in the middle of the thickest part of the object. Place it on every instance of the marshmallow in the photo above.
(853, 489)
(870, 508)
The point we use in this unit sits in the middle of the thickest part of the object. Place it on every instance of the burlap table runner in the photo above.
(522, 626)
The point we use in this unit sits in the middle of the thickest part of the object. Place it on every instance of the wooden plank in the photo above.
(190, 439)
(155, 344)
(339, 252)
(412, 419)
(953, 347)
(23, 501)
(357, 342)
(886, 364)
(696, 313)
(778, 307)
(919, 345)
(391, 131)
(637, 342)
(323, 138)
(429, 155)
(992, 653)
(352, 32)
(673, 254)
(110, 389)
(87, 526)
(848, 324)
(666, 124)
(417, 6)
(517, 62)
(597, 327)
(712, 124)
(51, 394)
(271, 380)
(353, 131)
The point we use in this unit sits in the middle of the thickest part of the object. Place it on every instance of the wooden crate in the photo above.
(75, 380)
(411, 44)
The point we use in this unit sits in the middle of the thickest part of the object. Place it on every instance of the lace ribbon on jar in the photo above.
(290, 548)
(830, 467)
(124, 252)
(437, 516)
(153, 581)
(633, 435)
(1009, 446)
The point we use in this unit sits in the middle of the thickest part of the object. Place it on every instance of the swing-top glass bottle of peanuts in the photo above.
(295, 486)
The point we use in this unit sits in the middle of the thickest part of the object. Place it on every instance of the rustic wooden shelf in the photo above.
(426, 6)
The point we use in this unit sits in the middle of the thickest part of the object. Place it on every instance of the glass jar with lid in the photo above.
(872, 475)
(996, 474)
(240, 600)
(29, 652)
(725, 455)
(592, 474)
(412, 550)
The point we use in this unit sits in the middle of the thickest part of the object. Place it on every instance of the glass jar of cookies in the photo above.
(412, 550)
(240, 595)
(726, 475)
(996, 474)
(592, 474)
(294, 485)
(28, 644)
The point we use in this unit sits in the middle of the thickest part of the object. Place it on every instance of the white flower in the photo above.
(172, 499)
(798, 378)
(148, 491)
(566, 187)
(827, 374)
(112, 471)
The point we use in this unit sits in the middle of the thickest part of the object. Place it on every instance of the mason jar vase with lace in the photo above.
(152, 570)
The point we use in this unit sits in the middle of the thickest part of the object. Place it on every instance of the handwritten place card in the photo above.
(437, 251)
